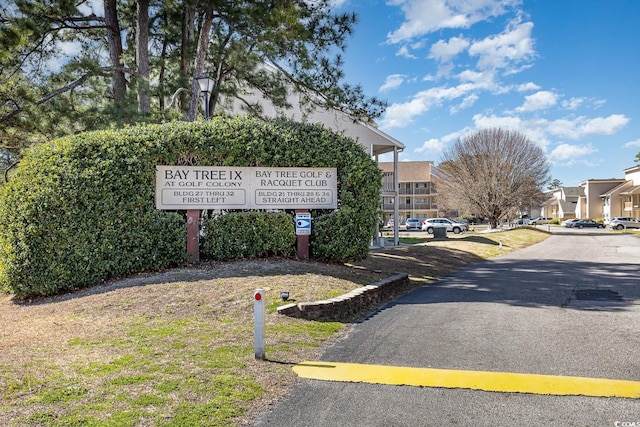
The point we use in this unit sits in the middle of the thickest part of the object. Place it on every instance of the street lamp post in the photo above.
(206, 86)
(193, 215)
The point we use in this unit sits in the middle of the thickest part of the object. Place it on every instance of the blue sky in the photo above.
(565, 73)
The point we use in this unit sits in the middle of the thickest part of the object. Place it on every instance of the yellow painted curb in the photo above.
(476, 380)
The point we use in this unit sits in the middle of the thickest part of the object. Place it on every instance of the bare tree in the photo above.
(491, 172)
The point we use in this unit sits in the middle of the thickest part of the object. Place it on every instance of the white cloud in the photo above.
(541, 131)
(526, 87)
(444, 51)
(426, 16)
(467, 102)
(436, 145)
(581, 127)
(538, 101)
(432, 145)
(484, 80)
(401, 115)
(570, 152)
(534, 129)
(573, 103)
(404, 52)
(392, 81)
(502, 50)
(631, 144)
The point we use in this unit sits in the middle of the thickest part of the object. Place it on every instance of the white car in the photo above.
(430, 224)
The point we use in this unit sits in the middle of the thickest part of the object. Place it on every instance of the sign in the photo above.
(228, 187)
(303, 224)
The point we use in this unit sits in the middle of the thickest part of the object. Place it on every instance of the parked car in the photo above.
(587, 223)
(540, 220)
(569, 222)
(522, 221)
(430, 224)
(413, 223)
(622, 222)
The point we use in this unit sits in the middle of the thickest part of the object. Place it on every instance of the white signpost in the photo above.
(258, 324)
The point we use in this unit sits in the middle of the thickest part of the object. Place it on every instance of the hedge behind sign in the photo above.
(80, 210)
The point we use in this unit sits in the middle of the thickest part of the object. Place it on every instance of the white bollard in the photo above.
(258, 322)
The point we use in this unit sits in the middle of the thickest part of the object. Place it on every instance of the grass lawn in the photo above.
(176, 348)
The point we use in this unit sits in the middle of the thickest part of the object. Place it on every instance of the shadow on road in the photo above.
(536, 283)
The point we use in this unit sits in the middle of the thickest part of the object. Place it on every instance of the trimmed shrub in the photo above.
(80, 210)
(248, 235)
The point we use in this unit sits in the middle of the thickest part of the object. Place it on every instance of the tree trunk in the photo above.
(188, 36)
(142, 56)
(161, 75)
(201, 56)
(119, 83)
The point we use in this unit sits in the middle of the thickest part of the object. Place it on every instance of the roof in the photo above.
(374, 141)
(567, 206)
(617, 189)
(632, 190)
(631, 169)
(410, 171)
(573, 191)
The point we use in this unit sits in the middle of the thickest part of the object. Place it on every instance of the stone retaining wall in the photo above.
(352, 303)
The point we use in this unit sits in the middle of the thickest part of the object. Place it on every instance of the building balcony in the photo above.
(416, 191)
(387, 182)
(416, 207)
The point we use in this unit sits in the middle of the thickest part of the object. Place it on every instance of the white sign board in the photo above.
(228, 187)
(303, 224)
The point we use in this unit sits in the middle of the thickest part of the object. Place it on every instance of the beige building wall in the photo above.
(630, 198)
(591, 204)
(416, 191)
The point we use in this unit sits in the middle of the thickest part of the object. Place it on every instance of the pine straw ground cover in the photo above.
(176, 348)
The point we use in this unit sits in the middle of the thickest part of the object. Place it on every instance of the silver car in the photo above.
(413, 223)
(540, 220)
(622, 222)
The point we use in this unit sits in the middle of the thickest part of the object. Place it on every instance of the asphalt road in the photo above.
(567, 306)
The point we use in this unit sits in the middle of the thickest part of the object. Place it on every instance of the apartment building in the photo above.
(597, 198)
(623, 199)
(416, 191)
(590, 202)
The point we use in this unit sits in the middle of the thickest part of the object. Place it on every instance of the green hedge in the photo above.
(80, 210)
(248, 235)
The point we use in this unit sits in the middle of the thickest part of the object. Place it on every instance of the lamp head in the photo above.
(205, 82)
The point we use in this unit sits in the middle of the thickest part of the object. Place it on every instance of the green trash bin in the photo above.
(440, 233)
